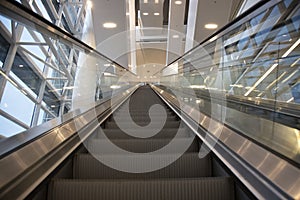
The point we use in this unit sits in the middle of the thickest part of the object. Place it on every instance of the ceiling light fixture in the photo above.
(21, 66)
(178, 2)
(156, 14)
(109, 25)
(145, 13)
(211, 26)
(175, 36)
(145, 1)
(156, 1)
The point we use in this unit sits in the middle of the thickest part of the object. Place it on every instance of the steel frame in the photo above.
(54, 53)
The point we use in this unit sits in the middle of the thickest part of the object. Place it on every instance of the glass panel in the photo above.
(6, 22)
(253, 69)
(46, 67)
(24, 86)
(42, 9)
(22, 109)
(8, 128)
(42, 117)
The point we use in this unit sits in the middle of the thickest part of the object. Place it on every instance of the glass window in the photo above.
(36, 50)
(26, 36)
(26, 87)
(6, 22)
(9, 128)
(37, 63)
(17, 104)
(287, 2)
(43, 10)
(41, 117)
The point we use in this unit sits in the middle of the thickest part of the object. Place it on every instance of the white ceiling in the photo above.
(152, 38)
(150, 8)
(216, 11)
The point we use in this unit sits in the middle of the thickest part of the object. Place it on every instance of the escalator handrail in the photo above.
(288, 128)
(255, 171)
(16, 142)
(40, 157)
(264, 104)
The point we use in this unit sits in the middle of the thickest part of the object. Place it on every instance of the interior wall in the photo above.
(113, 42)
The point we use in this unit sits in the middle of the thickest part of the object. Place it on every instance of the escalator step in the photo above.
(189, 165)
(142, 145)
(164, 133)
(142, 114)
(168, 124)
(212, 188)
(141, 118)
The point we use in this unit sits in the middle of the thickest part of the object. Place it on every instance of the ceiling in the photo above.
(152, 35)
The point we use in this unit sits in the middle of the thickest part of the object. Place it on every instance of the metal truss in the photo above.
(59, 60)
(260, 50)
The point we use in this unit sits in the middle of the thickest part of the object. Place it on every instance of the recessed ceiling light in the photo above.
(21, 66)
(145, 1)
(109, 25)
(145, 13)
(156, 1)
(211, 26)
(178, 2)
(106, 65)
(175, 36)
(156, 14)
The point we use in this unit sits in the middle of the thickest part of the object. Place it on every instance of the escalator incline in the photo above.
(189, 177)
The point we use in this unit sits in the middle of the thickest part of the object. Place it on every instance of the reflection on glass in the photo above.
(253, 65)
(41, 79)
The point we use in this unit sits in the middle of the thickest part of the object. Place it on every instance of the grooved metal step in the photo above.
(114, 125)
(142, 145)
(187, 166)
(180, 175)
(164, 133)
(212, 188)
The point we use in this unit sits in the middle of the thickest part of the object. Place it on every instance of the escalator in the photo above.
(171, 139)
(189, 177)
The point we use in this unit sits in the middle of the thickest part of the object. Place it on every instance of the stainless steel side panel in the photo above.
(262, 163)
(16, 163)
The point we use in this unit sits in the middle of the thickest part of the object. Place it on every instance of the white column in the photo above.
(132, 43)
(191, 25)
